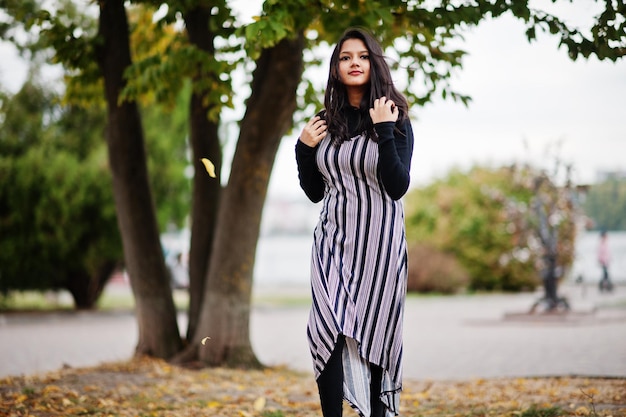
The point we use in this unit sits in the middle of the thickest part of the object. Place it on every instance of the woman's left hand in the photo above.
(384, 111)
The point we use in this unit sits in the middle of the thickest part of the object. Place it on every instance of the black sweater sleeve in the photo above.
(311, 180)
(395, 149)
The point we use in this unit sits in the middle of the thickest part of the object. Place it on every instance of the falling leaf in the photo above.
(205, 339)
(210, 168)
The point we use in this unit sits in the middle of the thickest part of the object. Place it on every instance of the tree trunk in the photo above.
(225, 312)
(156, 314)
(86, 288)
(206, 190)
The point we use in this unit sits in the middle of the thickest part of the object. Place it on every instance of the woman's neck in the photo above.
(355, 95)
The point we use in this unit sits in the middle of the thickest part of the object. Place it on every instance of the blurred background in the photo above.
(510, 188)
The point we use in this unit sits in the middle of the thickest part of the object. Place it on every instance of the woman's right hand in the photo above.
(314, 131)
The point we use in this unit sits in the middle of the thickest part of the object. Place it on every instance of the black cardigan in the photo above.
(395, 148)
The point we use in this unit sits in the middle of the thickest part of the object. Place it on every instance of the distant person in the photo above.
(179, 271)
(604, 258)
(355, 156)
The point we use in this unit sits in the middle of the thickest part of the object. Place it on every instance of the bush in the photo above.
(58, 228)
(487, 220)
(431, 270)
(58, 225)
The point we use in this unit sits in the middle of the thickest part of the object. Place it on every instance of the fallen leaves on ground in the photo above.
(149, 387)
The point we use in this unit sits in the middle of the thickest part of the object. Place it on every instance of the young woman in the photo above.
(355, 156)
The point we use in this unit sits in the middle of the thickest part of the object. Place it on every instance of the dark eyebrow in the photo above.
(365, 51)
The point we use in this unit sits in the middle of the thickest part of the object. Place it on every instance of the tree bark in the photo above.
(154, 305)
(225, 314)
(205, 143)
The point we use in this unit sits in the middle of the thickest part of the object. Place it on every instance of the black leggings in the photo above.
(330, 385)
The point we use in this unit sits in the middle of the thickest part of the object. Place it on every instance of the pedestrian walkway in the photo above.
(460, 337)
(481, 336)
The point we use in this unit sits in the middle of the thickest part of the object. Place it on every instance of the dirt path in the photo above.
(445, 337)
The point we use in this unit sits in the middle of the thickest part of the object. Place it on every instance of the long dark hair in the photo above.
(381, 84)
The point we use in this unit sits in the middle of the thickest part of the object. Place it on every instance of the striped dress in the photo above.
(358, 272)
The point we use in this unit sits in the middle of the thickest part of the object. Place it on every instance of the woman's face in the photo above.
(354, 63)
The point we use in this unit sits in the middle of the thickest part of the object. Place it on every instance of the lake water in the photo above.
(285, 259)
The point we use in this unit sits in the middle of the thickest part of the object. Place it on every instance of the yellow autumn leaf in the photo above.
(205, 339)
(210, 168)
(104, 402)
(50, 389)
(582, 411)
(259, 404)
